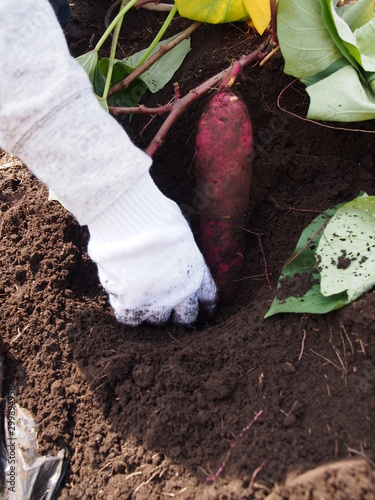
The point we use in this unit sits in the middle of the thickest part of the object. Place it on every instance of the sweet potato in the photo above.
(223, 164)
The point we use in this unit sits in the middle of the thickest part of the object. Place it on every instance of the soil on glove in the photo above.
(154, 412)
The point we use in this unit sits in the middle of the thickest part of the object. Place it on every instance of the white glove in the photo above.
(148, 261)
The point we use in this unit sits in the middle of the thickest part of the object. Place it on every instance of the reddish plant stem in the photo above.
(309, 240)
(140, 110)
(142, 3)
(240, 435)
(144, 110)
(263, 255)
(274, 20)
(179, 106)
(255, 473)
(231, 76)
(264, 260)
(292, 209)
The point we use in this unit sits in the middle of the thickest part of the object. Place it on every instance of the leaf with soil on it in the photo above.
(332, 266)
(300, 270)
(297, 285)
(347, 251)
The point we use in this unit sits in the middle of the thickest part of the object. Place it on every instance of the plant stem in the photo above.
(139, 110)
(180, 105)
(162, 30)
(274, 20)
(231, 76)
(151, 60)
(157, 7)
(112, 57)
(113, 24)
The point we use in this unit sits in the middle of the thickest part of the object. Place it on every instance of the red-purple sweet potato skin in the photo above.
(224, 173)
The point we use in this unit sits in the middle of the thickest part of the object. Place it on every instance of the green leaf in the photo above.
(370, 77)
(153, 79)
(298, 289)
(357, 14)
(163, 70)
(333, 22)
(365, 39)
(127, 98)
(358, 51)
(89, 63)
(312, 302)
(341, 97)
(340, 63)
(346, 254)
(213, 11)
(337, 266)
(305, 42)
(103, 102)
(332, 50)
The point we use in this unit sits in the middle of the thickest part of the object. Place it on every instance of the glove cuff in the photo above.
(143, 207)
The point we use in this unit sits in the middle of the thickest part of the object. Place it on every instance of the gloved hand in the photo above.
(148, 261)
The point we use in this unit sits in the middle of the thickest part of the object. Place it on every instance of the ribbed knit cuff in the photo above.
(143, 207)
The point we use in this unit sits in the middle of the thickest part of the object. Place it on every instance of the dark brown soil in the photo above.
(152, 412)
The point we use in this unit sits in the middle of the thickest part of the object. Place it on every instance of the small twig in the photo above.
(320, 124)
(269, 55)
(345, 352)
(263, 254)
(338, 354)
(302, 346)
(106, 465)
(136, 473)
(361, 454)
(326, 359)
(255, 277)
(293, 209)
(240, 435)
(348, 338)
(19, 334)
(290, 411)
(160, 469)
(359, 341)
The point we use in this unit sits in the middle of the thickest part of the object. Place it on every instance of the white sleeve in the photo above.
(51, 120)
